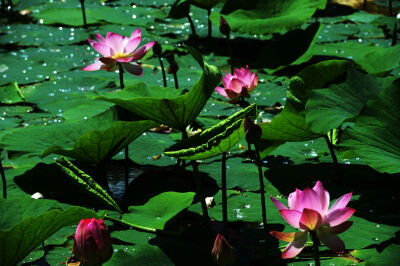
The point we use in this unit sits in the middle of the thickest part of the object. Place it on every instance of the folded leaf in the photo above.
(213, 141)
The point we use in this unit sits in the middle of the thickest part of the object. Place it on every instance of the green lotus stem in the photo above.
(315, 241)
(365, 4)
(3, 178)
(192, 27)
(199, 188)
(209, 23)
(83, 12)
(262, 190)
(184, 136)
(224, 198)
(142, 228)
(390, 8)
(163, 71)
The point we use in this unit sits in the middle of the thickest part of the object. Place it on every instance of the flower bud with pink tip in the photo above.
(222, 252)
(92, 242)
(309, 211)
(117, 49)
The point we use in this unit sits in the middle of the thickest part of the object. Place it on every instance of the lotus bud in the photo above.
(92, 242)
(173, 68)
(253, 131)
(224, 26)
(157, 49)
(222, 252)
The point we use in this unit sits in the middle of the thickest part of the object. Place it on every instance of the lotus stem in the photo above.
(83, 12)
(224, 198)
(163, 71)
(3, 178)
(315, 241)
(199, 188)
(184, 136)
(126, 167)
(192, 27)
(365, 4)
(209, 23)
(126, 151)
(121, 76)
(332, 151)
(390, 8)
(176, 80)
(228, 37)
(394, 36)
(262, 190)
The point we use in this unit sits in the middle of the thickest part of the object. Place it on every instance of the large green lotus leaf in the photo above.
(373, 59)
(138, 16)
(328, 108)
(268, 17)
(374, 257)
(97, 146)
(375, 136)
(22, 238)
(58, 134)
(215, 140)
(16, 209)
(84, 181)
(145, 255)
(40, 35)
(205, 3)
(11, 94)
(158, 210)
(290, 124)
(177, 112)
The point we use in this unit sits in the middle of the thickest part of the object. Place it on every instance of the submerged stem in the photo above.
(83, 13)
(224, 198)
(262, 189)
(3, 178)
(199, 188)
(315, 241)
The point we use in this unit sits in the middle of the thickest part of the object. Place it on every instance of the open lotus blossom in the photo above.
(92, 242)
(241, 83)
(119, 49)
(309, 211)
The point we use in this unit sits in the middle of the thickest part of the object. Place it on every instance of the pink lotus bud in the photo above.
(224, 26)
(222, 252)
(92, 242)
(253, 131)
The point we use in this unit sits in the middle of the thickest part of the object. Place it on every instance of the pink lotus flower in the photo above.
(309, 211)
(119, 49)
(222, 252)
(239, 84)
(92, 242)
